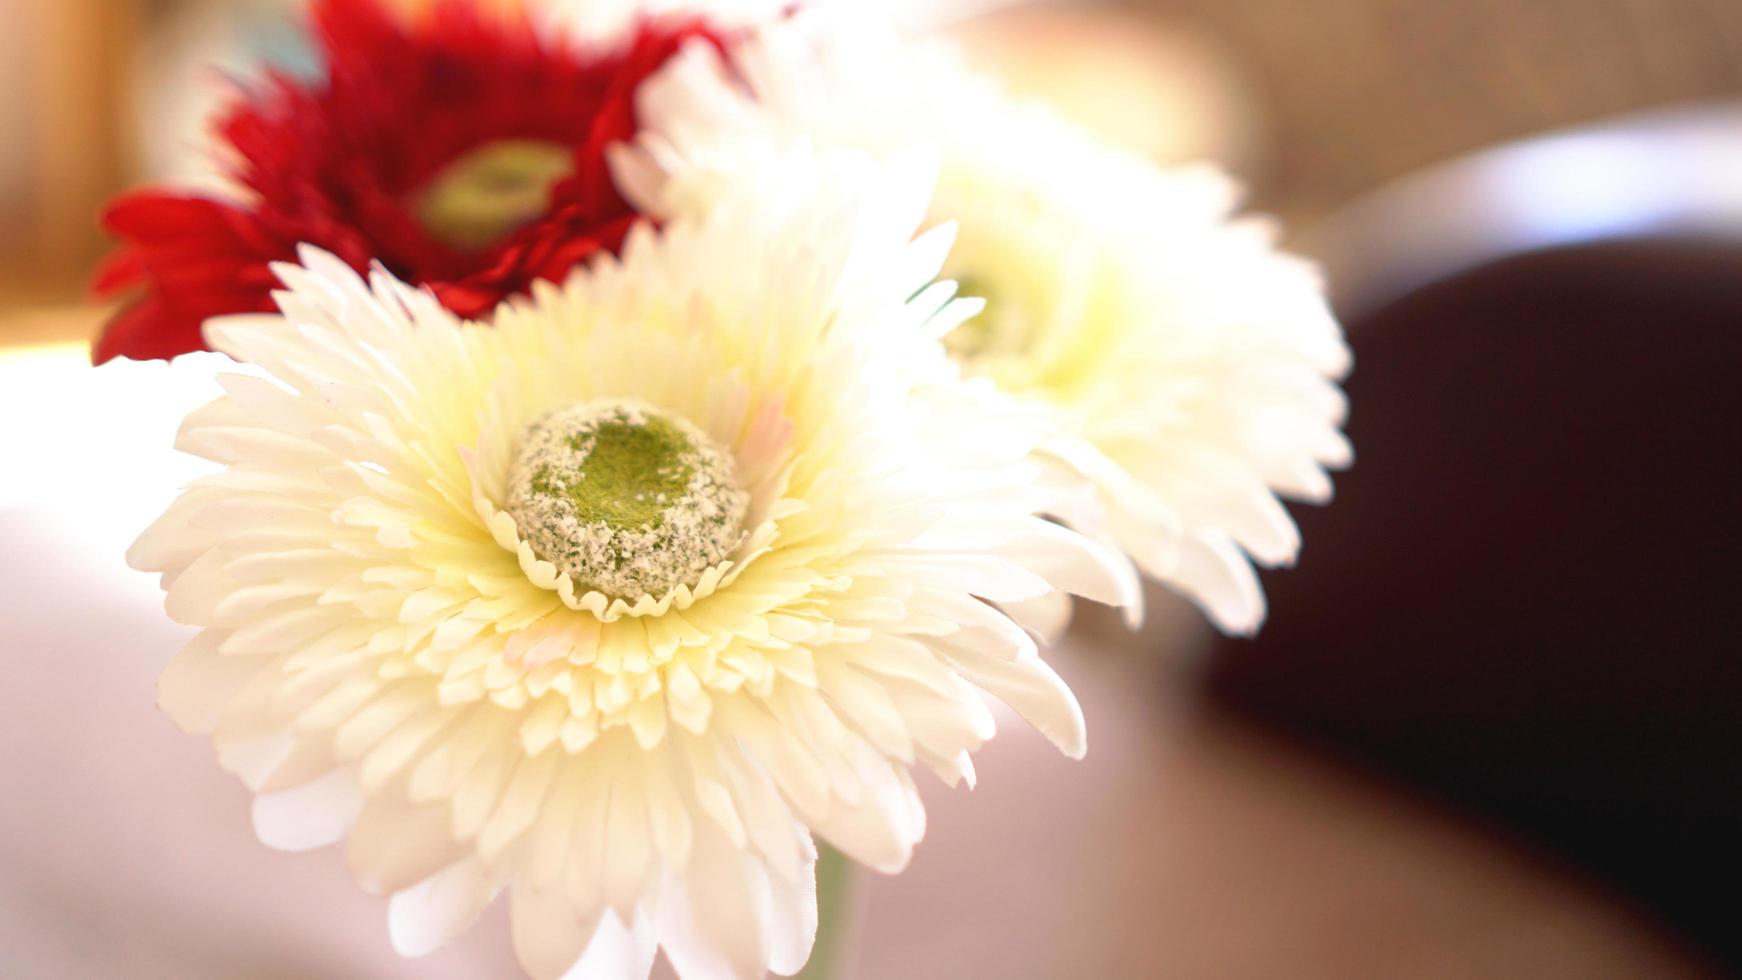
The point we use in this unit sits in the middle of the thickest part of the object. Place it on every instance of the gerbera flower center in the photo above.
(1000, 332)
(492, 191)
(626, 499)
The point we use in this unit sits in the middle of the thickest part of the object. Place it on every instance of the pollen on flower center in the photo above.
(490, 192)
(627, 500)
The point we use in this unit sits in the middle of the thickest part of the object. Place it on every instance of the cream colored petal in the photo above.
(171, 543)
(550, 932)
(395, 845)
(521, 802)
(199, 682)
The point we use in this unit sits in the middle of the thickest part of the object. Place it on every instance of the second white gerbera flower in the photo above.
(611, 604)
(1188, 368)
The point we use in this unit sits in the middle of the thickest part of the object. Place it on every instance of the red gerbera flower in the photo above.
(460, 150)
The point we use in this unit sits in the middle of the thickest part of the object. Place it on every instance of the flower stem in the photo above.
(834, 875)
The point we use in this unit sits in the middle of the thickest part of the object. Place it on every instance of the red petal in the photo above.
(469, 301)
(355, 33)
(121, 270)
(149, 215)
(149, 329)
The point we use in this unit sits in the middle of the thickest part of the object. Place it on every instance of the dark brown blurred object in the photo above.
(1358, 92)
(1523, 600)
(1188, 846)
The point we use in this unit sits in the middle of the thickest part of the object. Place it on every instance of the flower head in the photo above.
(625, 498)
(459, 149)
(614, 602)
(1188, 368)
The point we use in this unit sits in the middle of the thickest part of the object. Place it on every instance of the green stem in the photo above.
(834, 876)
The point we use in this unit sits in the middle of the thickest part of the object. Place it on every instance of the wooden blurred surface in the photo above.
(1355, 93)
(72, 118)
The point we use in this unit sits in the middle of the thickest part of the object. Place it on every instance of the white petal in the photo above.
(311, 815)
(1068, 560)
(713, 917)
(1045, 618)
(617, 952)
(881, 830)
(866, 704)
(793, 918)
(1211, 570)
(988, 578)
(1028, 686)
(429, 914)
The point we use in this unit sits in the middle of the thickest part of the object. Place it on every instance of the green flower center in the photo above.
(625, 499)
(1001, 331)
(492, 191)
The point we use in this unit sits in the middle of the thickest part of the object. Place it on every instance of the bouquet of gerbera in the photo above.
(618, 491)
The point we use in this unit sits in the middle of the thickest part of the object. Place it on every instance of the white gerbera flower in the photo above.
(611, 604)
(1188, 367)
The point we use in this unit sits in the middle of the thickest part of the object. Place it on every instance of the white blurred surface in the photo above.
(124, 851)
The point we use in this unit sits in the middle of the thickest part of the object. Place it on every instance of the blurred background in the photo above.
(1491, 728)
